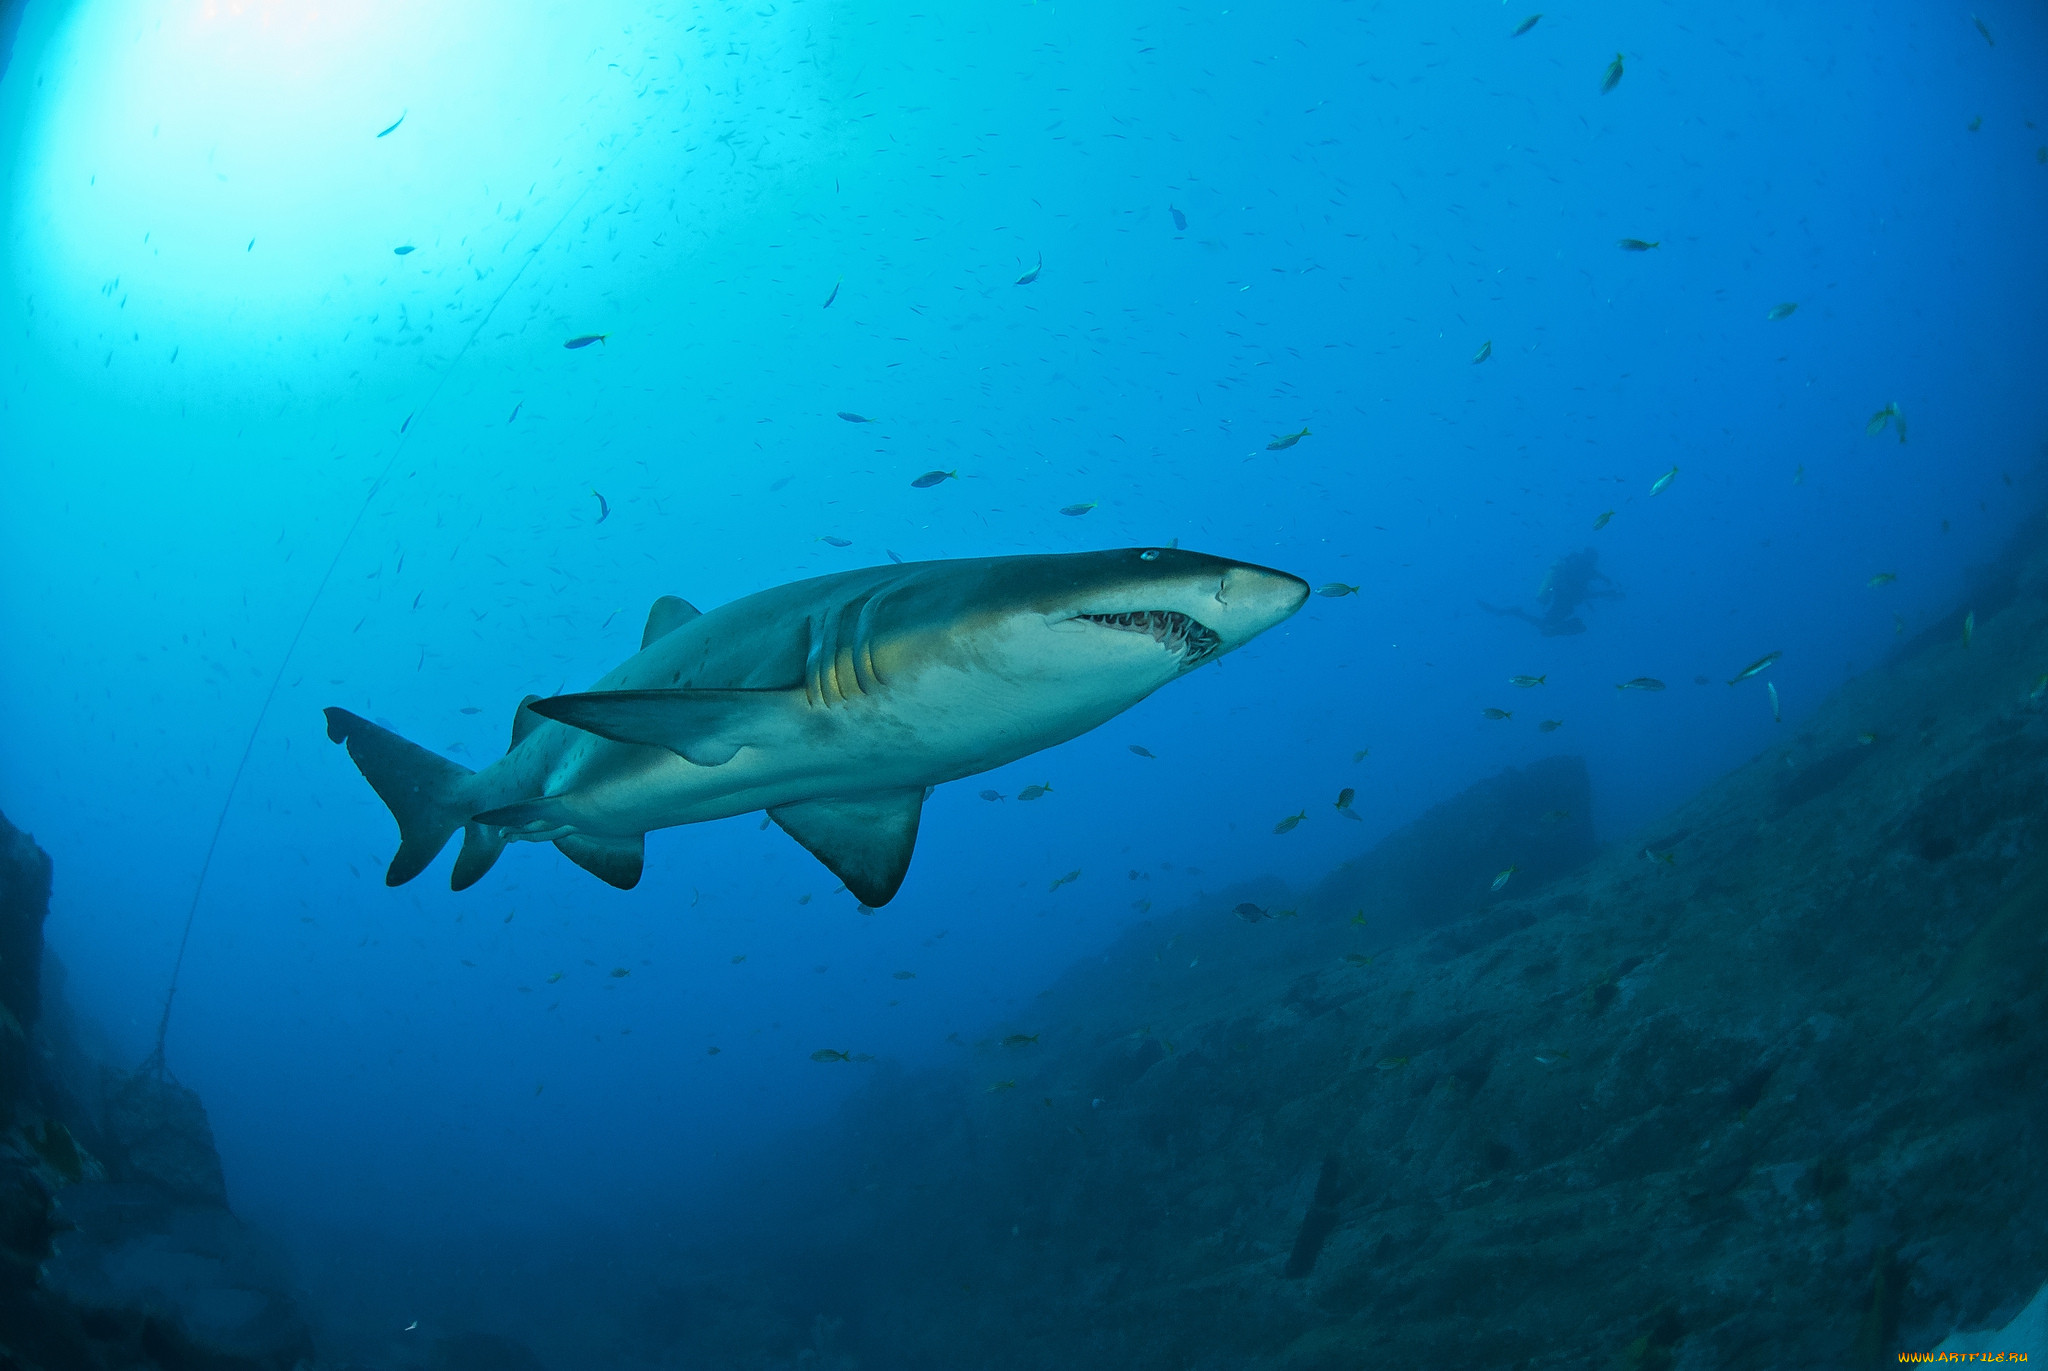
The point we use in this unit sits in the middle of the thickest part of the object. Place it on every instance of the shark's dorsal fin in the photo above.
(615, 861)
(670, 613)
(524, 721)
(866, 840)
(702, 726)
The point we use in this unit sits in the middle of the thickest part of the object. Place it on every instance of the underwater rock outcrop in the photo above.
(1762, 1086)
(117, 1247)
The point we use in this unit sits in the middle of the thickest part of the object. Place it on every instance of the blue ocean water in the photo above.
(289, 422)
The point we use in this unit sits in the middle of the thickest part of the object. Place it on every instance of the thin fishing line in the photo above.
(154, 1062)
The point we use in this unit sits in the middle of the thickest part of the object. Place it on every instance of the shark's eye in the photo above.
(1150, 554)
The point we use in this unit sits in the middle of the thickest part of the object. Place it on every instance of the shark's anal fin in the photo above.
(865, 840)
(524, 721)
(670, 613)
(702, 726)
(615, 861)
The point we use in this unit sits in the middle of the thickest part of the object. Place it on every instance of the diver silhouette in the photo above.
(1571, 581)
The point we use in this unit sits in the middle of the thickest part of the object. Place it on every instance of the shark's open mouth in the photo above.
(1171, 629)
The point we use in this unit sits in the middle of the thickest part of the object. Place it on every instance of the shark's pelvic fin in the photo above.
(524, 721)
(866, 840)
(425, 792)
(615, 861)
(702, 726)
(670, 613)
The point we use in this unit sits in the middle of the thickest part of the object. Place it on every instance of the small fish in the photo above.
(1550, 726)
(1865, 739)
(1525, 26)
(1976, 123)
(1898, 625)
(471, 709)
(604, 509)
(1358, 958)
(933, 478)
(1641, 683)
(1527, 682)
(1359, 917)
(620, 972)
(1613, 76)
(711, 1051)
(1001, 1086)
(1032, 792)
(403, 250)
(1502, 879)
(1360, 755)
(1662, 483)
(991, 795)
(1638, 245)
(515, 411)
(1249, 912)
(1776, 717)
(1286, 440)
(1336, 590)
(1485, 351)
(1032, 275)
(1969, 628)
(1493, 713)
(556, 977)
(2040, 688)
(1020, 1040)
(584, 340)
(1345, 797)
(393, 128)
(834, 295)
(1067, 879)
(1879, 420)
(737, 960)
(906, 975)
(406, 425)
(804, 898)
(1136, 750)
(1783, 311)
(1985, 31)
(831, 541)
(1076, 511)
(853, 418)
(1601, 522)
(1557, 816)
(1392, 1063)
(1883, 578)
(1754, 667)
(1287, 824)
(1799, 474)
(826, 1054)
(1663, 858)
(1180, 221)
(893, 557)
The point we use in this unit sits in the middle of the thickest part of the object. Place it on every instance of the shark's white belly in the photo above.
(941, 725)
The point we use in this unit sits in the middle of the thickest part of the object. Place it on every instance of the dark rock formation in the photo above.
(1765, 1085)
(117, 1249)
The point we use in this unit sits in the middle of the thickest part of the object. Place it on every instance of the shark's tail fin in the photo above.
(428, 795)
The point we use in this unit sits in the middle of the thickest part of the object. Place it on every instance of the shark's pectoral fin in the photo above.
(615, 861)
(866, 840)
(702, 726)
(524, 721)
(670, 613)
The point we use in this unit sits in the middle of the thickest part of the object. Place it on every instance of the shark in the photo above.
(836, 704)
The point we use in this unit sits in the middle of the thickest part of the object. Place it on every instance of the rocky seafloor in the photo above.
(1761, 1085)
(1764, 1085)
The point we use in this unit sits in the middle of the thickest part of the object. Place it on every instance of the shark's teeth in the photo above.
(1175, 631)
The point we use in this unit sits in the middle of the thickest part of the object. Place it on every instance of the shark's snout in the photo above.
(1259, 598)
